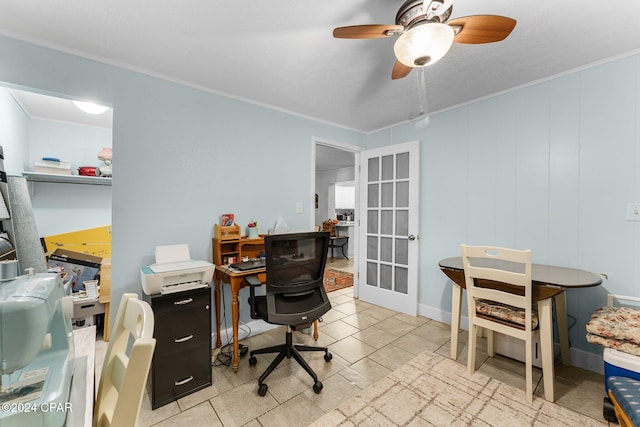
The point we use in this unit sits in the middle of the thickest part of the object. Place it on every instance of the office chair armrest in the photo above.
(253, 280)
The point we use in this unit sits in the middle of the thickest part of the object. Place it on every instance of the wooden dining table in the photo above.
(549, 282)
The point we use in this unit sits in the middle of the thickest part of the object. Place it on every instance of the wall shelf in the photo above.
(66, 179)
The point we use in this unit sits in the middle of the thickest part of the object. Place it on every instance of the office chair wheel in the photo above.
(328, 356)
(262, 390)
(252, 361)
(317, 387)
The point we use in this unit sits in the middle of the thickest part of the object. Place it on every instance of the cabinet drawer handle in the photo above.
(183, 339)
(184, 301)
(184, 381)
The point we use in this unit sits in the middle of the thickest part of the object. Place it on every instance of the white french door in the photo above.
(389, 226)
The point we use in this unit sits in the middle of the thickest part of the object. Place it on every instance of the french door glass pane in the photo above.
(402, 166)
(387, 167)
(372, 247)
(372, 274)
(402, 223)
(372, 196)
(385, 276)
(386, 223)
(373, 171)
(372, 221)
(402, 280)
(387, 195)
(402, 251)
(402, 194)
(386, 249)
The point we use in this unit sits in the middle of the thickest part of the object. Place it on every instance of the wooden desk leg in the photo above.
(563, 331)
(235, 313)
(216, 295)
(315, 330)
(456, 307)
(546, 347)
(107, 320)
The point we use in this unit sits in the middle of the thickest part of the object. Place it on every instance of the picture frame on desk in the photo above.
(227, 219)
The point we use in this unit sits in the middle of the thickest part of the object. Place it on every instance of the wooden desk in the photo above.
(550, 281)
(236, 282)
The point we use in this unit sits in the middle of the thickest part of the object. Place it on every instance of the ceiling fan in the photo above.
(426, 33)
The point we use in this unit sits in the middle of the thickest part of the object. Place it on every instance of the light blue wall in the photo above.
(14, 133)
(182, 156)
(550, 167)
(62, 208)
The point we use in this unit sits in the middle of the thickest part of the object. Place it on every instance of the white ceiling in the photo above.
(282, 54)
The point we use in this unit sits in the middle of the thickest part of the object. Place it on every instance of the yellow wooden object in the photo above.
(94, 241)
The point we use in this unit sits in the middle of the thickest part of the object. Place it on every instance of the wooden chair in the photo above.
(124, 374)
(499, 298)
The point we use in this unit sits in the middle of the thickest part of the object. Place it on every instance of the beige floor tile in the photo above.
(365, 372)
(412, 320)
(375, 337)
(148, 417)
(586, 399)
(200, 415)
(332, 316)
(219, 384)
(283, 383)
(360, 320)
(391, 357)
(380, 313)
(415, 344)
(434, 331)
(395, 327)
(242, 404)
(337, 329)
(347, 308)
(336, 390)
(339, 299)
(298, 411)
(351, 349)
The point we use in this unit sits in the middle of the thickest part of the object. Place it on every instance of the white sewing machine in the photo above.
(175, 271)
(36, 351)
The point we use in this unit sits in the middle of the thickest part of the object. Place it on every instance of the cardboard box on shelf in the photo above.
(80, 266)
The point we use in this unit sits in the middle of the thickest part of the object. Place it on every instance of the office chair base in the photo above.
(288, 350)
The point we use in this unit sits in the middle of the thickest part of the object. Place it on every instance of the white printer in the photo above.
(175, 271)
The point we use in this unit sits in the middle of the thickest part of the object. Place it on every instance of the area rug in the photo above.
(431, 390)
(336, 279)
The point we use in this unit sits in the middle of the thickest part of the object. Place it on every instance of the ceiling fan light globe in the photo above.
(424, 45)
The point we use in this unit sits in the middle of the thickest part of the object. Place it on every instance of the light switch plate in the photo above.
(633, 212)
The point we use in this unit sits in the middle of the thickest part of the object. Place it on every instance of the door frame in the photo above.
(355, 149)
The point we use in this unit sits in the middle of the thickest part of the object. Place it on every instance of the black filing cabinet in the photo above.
(182, 359)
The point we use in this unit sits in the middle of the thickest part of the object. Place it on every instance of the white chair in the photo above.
(499, 298)
(124, 374)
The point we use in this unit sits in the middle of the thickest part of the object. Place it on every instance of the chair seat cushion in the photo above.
(627, 394)
(615, 327)
(505, 313)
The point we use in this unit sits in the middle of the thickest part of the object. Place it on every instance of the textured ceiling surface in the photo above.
(282, 54)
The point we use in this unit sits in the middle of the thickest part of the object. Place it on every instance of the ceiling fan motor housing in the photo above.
(413, 12)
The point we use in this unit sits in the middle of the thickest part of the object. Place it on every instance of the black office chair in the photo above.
(295, 295)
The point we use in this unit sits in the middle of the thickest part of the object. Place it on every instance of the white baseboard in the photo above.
(579, 358)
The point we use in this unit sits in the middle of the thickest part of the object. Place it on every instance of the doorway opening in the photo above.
(335, 183)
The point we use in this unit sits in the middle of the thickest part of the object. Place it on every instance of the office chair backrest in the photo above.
(295, 262)
(124, 374)
(295, 265)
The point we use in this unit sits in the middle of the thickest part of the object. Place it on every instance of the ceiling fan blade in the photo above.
(400, 70)
(372, 31)
(477, 29)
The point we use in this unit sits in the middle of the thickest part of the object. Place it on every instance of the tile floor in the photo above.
(367, 342)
